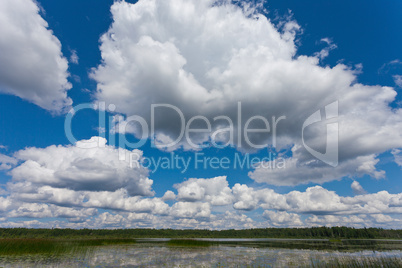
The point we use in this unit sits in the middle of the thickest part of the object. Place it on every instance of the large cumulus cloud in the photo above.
(204, 58)
(78, 168)
(33, 67)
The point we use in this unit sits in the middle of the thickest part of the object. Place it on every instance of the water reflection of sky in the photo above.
(157, 255)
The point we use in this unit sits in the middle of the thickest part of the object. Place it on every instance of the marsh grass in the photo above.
(30, 246)
(54, 246)
(189, 243)
(102, 242)
(348, 262)
(176, 253)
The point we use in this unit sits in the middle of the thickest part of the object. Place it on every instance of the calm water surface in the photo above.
(220, 253)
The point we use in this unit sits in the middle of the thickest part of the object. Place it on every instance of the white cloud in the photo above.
(5, 203)
(216, 191)
(7, 162)
(316, 200)
(246, 198)
(191, 210)
(118, 200)
(74, 57)
(381, 218)
(398, 80)
(381, 202)
(281, 218)
(294, 171)
(357, 188)
(35, 210)
(397, 153)
(325, 51)
(389, 66)
(110, 220)
(205, 58)
(81, 209)
(357, 221)
(169, 195)
(233, 220)
(36, 69)
(78, 168)
(331, 220)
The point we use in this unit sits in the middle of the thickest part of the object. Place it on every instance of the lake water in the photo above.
(220, 253)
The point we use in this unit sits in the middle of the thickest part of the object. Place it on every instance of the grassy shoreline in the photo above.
(15, 241)
(334, 233)
(58, 246)
(22, 246)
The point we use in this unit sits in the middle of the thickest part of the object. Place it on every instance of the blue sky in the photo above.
(273, 58)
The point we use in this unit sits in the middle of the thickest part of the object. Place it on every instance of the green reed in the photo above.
(23, 246)
(189, 243)
(349, 262)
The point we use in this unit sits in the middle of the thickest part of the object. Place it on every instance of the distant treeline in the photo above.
(314, 232)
